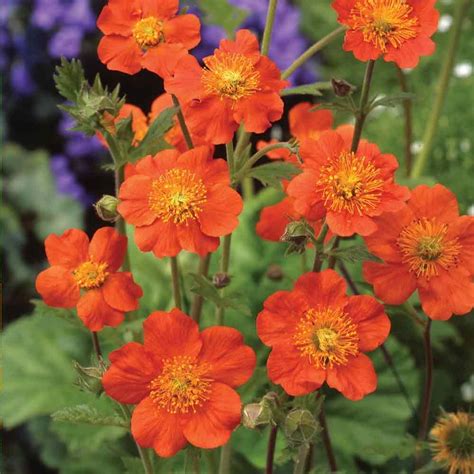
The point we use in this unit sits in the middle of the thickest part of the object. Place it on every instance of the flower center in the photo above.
(327, 336)
(182, 386)
(426, 248)
(460, 441)
(148, 32)
(90, 275)
(350, 183)
(384, 22)
(230, 76)
(177, 195)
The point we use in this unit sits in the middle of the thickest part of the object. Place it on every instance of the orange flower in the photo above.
(139, 123)
(317, 333)
(427, 247)
(180, 201)
(304, 124)
(398, 30)
(86, 275)
(182, 382)
(274, 219)
(174, 136)
(350, 189)
(237, 85)
(145, 34)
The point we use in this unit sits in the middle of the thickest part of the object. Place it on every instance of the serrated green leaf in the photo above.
(69, 79)
(271, 174)
(314, 89)
(154, 141)
(86, 414)
(353, 254)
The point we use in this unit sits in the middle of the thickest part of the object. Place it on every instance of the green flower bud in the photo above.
(300, 426)
(89, 379)
(106, 208)
(221, 280)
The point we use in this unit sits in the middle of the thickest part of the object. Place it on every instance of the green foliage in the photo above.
(307, 89)
(352, 254)
(87, 414)
(271, 174)
(70, 79)
(223, 14)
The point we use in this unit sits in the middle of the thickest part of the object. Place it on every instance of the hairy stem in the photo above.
(267, 33)
(300, 463)
(311, 51)
(176, 283)
(182, 123)
(429, 136)
(120, 225)
(327, 440)
(203, 269)
(96, 345)
(407, 110)
(224, 462)
(271, 449)
(224, 268)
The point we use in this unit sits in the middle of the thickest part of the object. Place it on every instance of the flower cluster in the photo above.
(180, 197)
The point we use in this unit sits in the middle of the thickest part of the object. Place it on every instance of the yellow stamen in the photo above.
(148, 32)
(182, 386)
(177, 196)
(350, 183)
(327, 336)
(384, 22)
(90, 274)
(426, 248)
(230, 76)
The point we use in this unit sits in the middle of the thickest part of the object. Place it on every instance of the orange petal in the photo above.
(437, 201)
(120, 54)
(193, 239)
(57, 287)
(108, 246)
(121, 292)
(163, 9)
(183, 29)
(231, 361)
(163, 58)
(67, 250)
(95, 313)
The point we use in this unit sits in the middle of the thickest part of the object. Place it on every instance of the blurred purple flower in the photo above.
(77, 144)
(20, 79)
(66, 182)
(66, 42)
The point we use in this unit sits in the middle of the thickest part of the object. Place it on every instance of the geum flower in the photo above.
(398, 30)
(86, 275)
(317, 333)
(145, 34)
(180, 202)
(182, 382)
(347, 188)
(237, 85)
(427, 247)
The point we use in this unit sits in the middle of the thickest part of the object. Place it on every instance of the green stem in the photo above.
(182, 123)
(224, 268)
(267, 32)
(327, 440)
(311, 51)
(427, 392)
(413, 313)
(96, 344)
(407, 110)
(362, 113)
(300, 463)
(319, 244)
(120, 225)
(176, 283)
(271, 449)
(198, 300)
(224, 462)
(442, 88)
(229, 148)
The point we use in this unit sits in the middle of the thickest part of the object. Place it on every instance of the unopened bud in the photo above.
(221, 280)
(300, 426)
(297, 234)
(89, 379)
(341, 87)
(106, 208)
(256, 415)
(274, 272)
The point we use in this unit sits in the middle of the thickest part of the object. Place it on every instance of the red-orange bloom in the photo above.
(427, 247)
(350, 189)
(180, 201)
(237, 85)
(317, 333)
(182, 382)
(86, 275)
(304, 124)
(274, 219)
(398, 30)
(145, 34)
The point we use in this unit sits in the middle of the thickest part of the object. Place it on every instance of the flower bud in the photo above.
(89, 379)
(255, 415)
(297, 234)
(341, 87)
(106, 208)
(300, 426)
(274, 272)
(221, 280)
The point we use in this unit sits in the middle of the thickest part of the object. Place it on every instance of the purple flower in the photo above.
(20, 79)
(66, 42)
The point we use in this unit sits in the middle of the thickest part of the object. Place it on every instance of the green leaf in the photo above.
(154, 141)
(69, 79)
(202, 286)
(223, 14)
(38, 372)
(352, 254)
(307, 89)
(271, 174)
(86, 414)
(374, 429)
